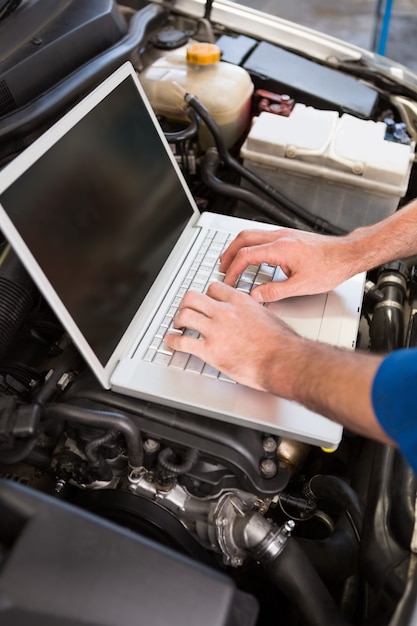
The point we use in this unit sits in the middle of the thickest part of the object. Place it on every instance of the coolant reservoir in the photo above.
(223, 88)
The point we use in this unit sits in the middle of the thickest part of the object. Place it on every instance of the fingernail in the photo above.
(257, 296)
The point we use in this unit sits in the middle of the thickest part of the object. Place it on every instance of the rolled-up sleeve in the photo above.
(394, 400)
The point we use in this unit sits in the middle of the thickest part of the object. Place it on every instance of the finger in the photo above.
(245, 239)
(272, 292)
(191, 319)
(220, 292)
(197, 301)
(255, 255)
(184, 343)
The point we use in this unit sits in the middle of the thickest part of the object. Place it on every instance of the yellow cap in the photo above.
(203, 53)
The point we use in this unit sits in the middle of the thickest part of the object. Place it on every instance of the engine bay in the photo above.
(125, 510)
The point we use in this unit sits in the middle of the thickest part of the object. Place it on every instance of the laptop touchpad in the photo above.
(303, 313)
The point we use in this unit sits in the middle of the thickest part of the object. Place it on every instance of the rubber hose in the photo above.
(101, 419)
(92, 447)
(405, 613)
(165, 460)
(382, 557)
(334, 558)
(209, 168)
(182, 427)
(295, 576)
(274, 194)
(402, 511)
(341, 493)
(187, 133)
(387, 328)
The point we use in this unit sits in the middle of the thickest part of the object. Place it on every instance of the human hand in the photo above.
(312, 263)
(240, 337)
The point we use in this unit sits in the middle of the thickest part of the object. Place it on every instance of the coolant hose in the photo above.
(259, 183)
(209, 168)
(387, 328)
(338, 491)
(166, 461)
(189, 132)
(335, 558)
(402, 511)
(295, 576)
(383, 558)
(101, 419)
(91, 448)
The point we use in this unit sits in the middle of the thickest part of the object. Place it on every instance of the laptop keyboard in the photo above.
(203, 271)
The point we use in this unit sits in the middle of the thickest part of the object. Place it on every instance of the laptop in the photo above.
(103, 220)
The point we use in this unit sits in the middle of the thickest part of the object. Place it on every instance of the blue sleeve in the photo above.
(394, 399)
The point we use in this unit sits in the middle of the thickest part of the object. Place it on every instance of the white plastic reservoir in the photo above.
(225, 89)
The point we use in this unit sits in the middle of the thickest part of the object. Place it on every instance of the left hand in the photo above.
(240, 337)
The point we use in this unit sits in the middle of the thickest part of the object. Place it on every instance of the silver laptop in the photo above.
(100, 215)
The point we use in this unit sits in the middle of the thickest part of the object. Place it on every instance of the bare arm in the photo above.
(250, 344)
(316, 263)
(244, 340)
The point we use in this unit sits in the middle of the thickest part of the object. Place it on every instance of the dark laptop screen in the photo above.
(100, 211)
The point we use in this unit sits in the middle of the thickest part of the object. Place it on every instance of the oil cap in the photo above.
(203, 53)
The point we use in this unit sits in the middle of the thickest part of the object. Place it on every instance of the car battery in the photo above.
(341, 169)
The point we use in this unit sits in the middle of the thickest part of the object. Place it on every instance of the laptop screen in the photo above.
(101, 210)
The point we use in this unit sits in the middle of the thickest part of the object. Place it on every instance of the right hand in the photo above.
(312, 263)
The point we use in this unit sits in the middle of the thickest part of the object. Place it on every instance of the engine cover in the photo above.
(44, 41)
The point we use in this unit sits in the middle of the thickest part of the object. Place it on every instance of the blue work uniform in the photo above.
(394, 399)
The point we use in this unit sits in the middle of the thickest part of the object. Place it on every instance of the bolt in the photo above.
(288, 527)
(59, 485)
(269, 444)
(268, 468)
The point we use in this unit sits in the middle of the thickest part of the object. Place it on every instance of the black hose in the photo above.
(339, 492)
(295, 576)
(207, 10)
(402, 511)
(183, 429)
(27, 119)
(190, 132)
(405, 611)
(387, 327)
(166, 461)
(101, 419)
(92, 447)
(384, 562)
(209, 168)
(276, 195)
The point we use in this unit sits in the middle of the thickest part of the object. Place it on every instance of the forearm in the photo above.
(391, 239)
(329, 381)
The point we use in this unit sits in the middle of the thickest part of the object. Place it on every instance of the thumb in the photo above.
(271, 292)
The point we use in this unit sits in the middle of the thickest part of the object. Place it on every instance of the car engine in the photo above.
(116, 510)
